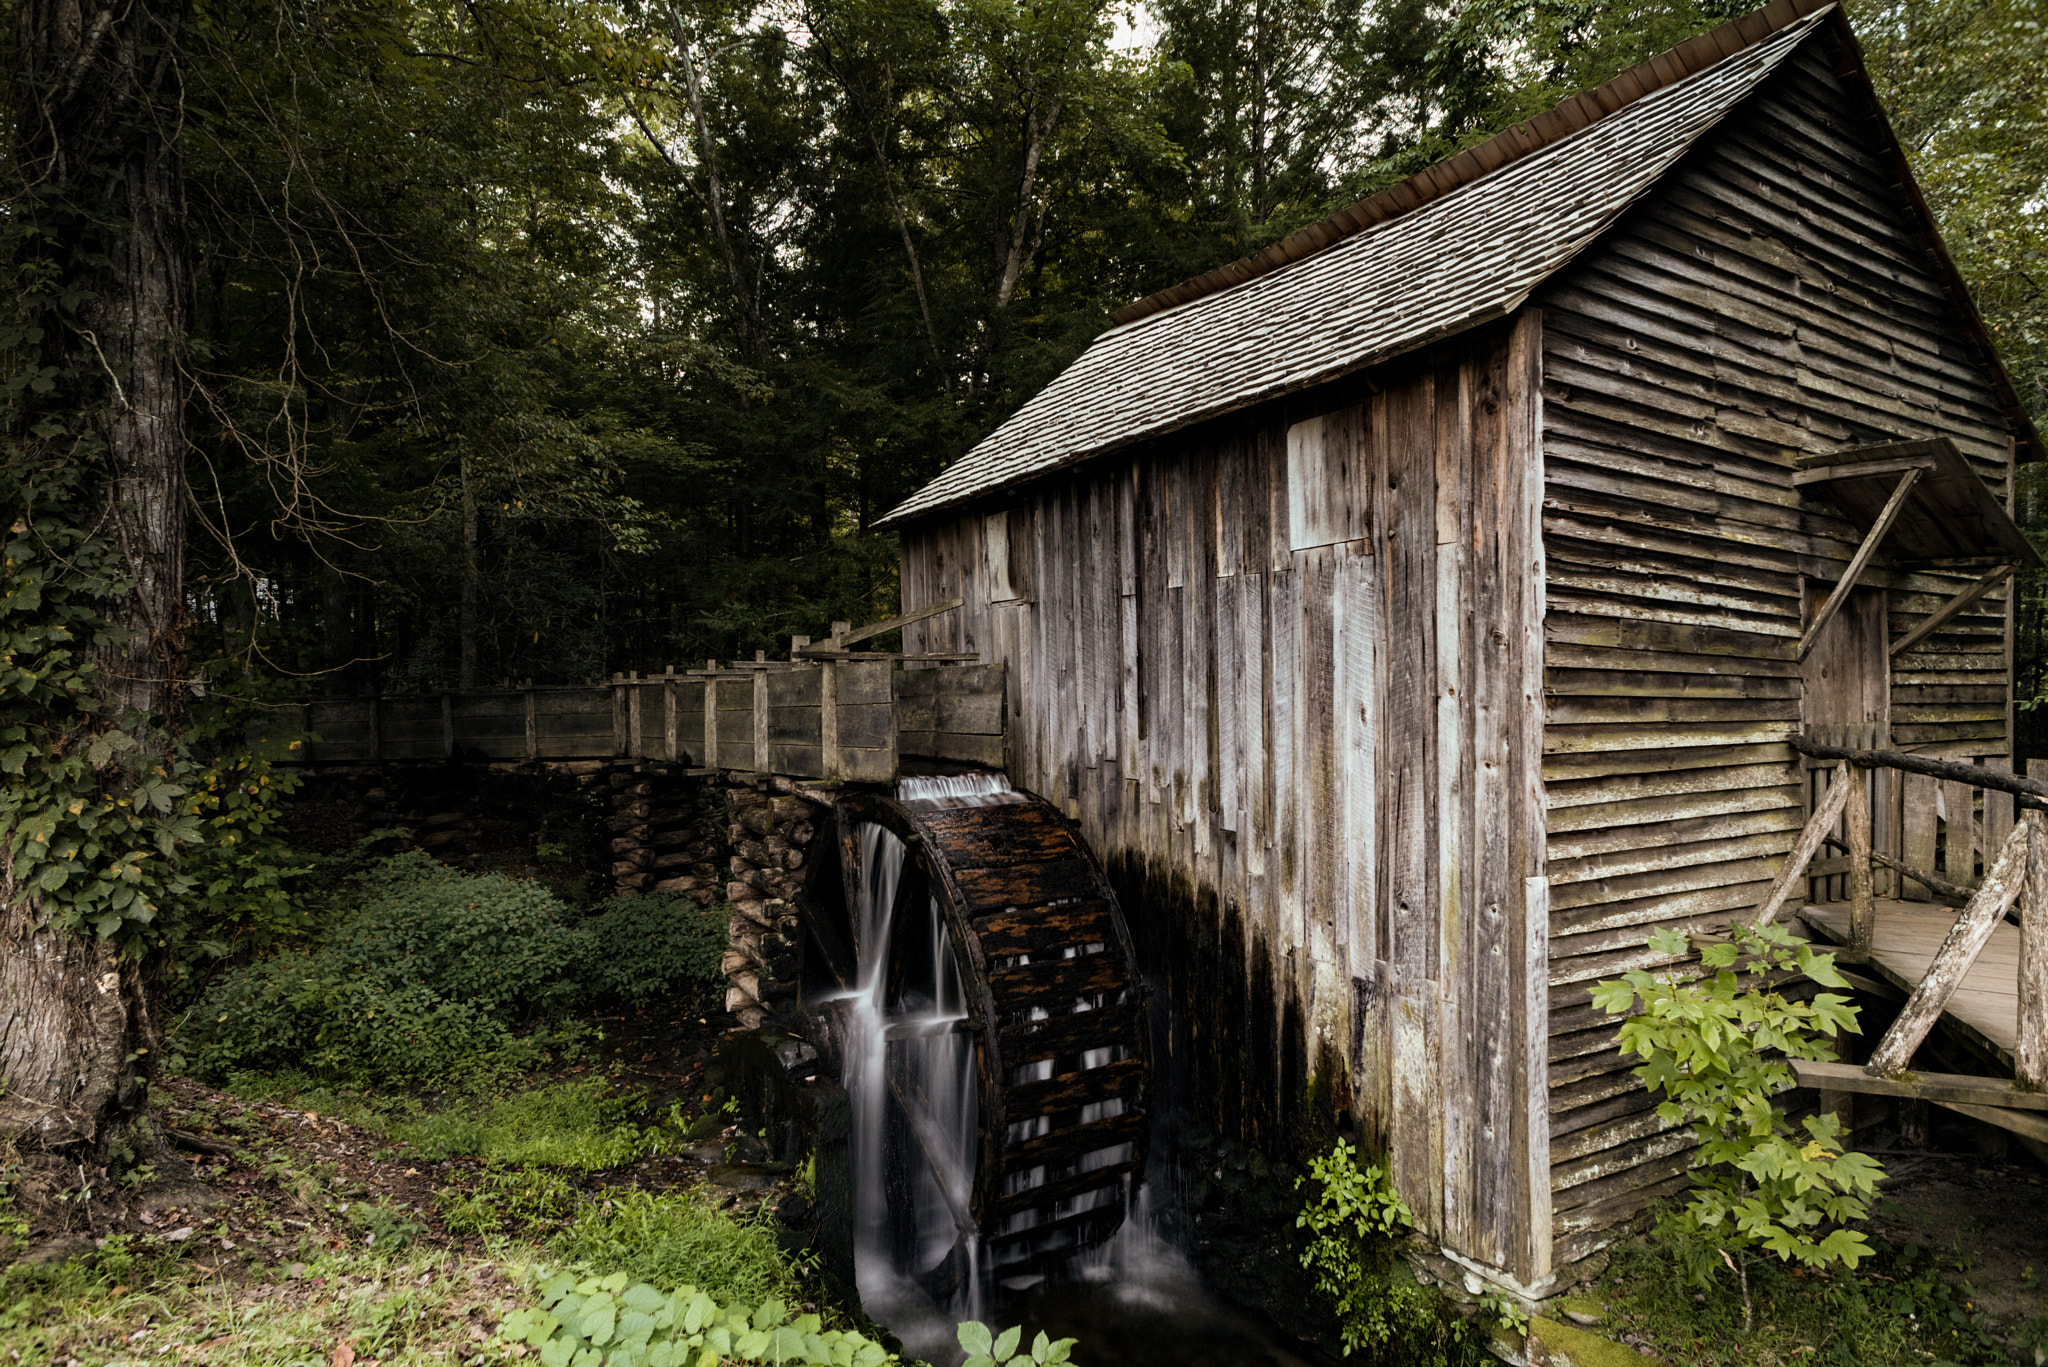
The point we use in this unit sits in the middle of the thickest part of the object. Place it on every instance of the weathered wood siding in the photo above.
(1283, 669)
(1770, 298)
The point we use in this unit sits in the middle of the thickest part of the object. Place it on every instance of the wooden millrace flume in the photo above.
(1048, 993)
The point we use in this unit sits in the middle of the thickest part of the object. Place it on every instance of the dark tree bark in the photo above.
(95, 102)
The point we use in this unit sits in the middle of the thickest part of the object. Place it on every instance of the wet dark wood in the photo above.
(1124, 1078)
(1025, 885)
(1064, 1188)
(1064, 1147)
(1050, 982)
(1030, 1041)
(1045, 929)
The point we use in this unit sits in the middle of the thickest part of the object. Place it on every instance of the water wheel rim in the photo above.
(966, 913)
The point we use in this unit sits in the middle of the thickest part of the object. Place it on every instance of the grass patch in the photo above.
(119, 1305)
(674, 1239)
(580, 1124)
(1897, 1307)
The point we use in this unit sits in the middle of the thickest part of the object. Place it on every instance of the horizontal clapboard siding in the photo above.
(1770, 298)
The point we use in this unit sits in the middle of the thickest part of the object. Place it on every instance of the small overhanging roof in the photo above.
(1462, 243)
(1948, 516)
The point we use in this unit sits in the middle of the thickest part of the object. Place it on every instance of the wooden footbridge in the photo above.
(1974, 963)
(828, 712)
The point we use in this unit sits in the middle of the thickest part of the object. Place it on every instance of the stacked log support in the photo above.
(771, 825)
(664, 833)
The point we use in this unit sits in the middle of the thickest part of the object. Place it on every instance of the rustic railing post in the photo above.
(760, 716)
(1862, 902)
(669, 739)
(1825, 814)
(636, 719)
(711, 714)
(1951, 963)
(532, 722)
(2030, 1051)
(828, 721)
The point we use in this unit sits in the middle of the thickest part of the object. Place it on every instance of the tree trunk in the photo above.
(466, 626)
(95, 99)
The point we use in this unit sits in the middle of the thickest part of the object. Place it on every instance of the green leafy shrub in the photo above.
(640, 948)
(578, 1124)
(1716, 1048)
(1356, 1221)
(429, 972)
(671, 1238)
(986, 1348)
(423, 981)
(616, 1322)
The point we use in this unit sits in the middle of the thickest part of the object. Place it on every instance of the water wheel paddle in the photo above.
(1000, 985)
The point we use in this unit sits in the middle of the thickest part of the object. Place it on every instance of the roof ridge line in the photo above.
(1510, 145)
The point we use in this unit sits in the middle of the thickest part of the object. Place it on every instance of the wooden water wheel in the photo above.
(1062, 1060)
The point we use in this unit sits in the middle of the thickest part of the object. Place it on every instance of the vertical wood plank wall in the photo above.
(1770, 299)
(1308, 729)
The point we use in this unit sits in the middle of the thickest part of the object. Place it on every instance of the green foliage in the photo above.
(425, 980)
(1716, 1048)
(1356, 1221)
(507, 1200)
(640, 948)
(614, 1321)
(1900, 1305)
(92, 814)
(384, 1228)
(578, 1124)
(427, 974)
(669, 1238)
(985, 1348)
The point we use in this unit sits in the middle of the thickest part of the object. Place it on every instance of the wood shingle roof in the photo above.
(1463, 242)
(1467, 250)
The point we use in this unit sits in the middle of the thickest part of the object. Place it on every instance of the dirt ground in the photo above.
(1987, 1217)
(258, 1167)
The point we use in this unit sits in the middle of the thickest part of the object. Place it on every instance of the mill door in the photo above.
(1845, 699)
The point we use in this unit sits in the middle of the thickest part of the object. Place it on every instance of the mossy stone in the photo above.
(1552, 1344)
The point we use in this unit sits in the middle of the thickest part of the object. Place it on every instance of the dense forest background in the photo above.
(542, 338)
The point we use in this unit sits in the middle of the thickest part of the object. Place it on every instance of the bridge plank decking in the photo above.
(1986, 1006)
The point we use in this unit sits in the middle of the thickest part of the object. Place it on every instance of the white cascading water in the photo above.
(910, 1079)
(958, 790)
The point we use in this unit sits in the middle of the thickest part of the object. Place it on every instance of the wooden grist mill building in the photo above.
(1417, 615)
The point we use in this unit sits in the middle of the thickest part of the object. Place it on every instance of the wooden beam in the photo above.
(842, 640)
(1878, 530)
(1824, 816)
(1966, 940)
(1861, 470)
(1942, 1087)
(2019, 1122)
(1948, 611)
(823, 655)
(1976, 775)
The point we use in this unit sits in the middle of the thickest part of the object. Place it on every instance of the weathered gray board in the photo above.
(851, 720)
